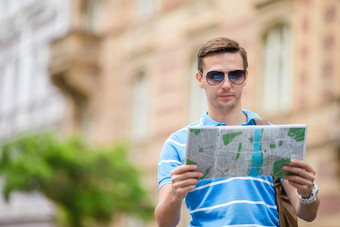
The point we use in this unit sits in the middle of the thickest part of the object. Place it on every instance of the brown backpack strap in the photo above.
(277, 186)
(258, 121)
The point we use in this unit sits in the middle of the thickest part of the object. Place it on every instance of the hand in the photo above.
(184, 178)
(304, 180)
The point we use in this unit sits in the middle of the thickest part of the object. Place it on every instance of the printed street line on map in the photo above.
(231, 151)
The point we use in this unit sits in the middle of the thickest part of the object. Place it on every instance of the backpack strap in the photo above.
(258, 121)
(277, 186)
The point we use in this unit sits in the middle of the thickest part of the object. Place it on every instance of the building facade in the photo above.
(127, 70)
(28, 100)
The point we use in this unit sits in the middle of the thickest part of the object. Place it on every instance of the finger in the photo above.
(184, 168)
(302, 164)
(186, 175)
(304, 186)
(299, 180)
(182, 192)
(182, 188)
(302, 189)
(185, 183)
(300, 172)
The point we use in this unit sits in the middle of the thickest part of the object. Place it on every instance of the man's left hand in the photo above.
(303, 181)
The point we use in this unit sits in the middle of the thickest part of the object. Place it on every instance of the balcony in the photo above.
(74, 64)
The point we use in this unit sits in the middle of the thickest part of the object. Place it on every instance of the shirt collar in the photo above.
(207, 121)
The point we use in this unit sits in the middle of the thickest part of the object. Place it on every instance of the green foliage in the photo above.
(89, 185)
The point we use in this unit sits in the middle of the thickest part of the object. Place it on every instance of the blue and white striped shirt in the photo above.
(237, 201)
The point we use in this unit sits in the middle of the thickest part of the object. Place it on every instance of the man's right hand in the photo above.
(184, 178)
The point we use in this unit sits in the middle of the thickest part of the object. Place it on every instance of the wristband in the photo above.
(312, 196)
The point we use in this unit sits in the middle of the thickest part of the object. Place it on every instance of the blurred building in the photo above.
(28, 100)
(126, 69)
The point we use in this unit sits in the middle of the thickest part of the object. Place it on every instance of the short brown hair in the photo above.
(220, 45)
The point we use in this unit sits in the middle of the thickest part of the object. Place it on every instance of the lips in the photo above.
(226, 96)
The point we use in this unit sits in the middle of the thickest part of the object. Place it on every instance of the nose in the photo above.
(226, 84)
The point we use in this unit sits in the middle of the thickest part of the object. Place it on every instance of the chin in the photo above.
(225, 108)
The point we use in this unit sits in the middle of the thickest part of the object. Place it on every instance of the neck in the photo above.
(229, 117)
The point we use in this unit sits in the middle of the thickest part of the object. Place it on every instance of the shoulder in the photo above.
(181, 134)
(250, 114)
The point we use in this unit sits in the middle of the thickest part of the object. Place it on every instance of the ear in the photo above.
(199, 78)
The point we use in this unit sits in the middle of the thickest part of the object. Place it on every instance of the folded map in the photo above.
(232, 151)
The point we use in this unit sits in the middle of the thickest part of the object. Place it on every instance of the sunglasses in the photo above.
(214, 78)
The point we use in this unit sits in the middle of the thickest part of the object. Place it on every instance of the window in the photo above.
(28, 102)
(277, 74)
(140, 110)
(145, 8)
(7, 96)
(7, 87)
(90, 10)
(197, 98)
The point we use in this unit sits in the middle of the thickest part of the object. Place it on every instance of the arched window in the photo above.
(277, 73)
(140, 108)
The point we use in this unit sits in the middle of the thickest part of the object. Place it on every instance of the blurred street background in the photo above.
(124, 71)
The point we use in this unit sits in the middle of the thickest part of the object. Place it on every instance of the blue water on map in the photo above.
(257, 157)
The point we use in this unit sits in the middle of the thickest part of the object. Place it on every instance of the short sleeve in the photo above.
(172, 156)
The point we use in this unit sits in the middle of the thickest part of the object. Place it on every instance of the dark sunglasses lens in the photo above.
(215, 77)
(237, 76)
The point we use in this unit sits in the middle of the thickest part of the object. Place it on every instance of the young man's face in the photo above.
(226, 95)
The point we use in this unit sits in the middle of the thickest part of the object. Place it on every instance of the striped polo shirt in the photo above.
(237, 201)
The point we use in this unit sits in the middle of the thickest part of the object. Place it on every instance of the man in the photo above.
(240, 201)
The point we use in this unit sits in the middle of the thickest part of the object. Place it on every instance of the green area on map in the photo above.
(195, 131)
(238, 151)
(298, 134)
(189, 162)
(227, 138)
(277, 167)
(206, 172)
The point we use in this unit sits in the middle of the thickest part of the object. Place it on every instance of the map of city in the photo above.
(232, 151)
